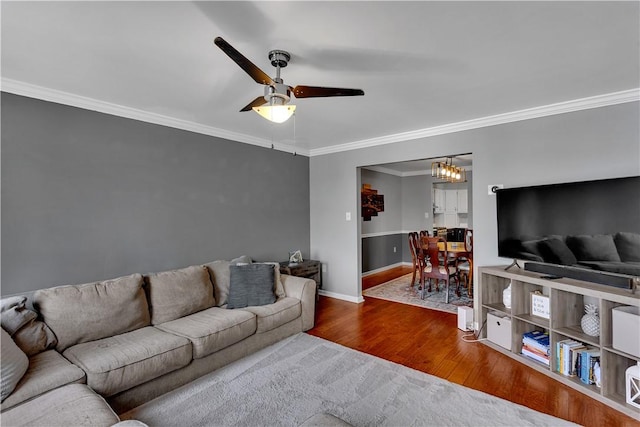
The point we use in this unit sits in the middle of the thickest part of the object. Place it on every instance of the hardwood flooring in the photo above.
(429, 341)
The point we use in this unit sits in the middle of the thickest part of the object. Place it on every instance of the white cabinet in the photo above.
(450, 201)
(463, 202)
(448, 205)
(438, 200)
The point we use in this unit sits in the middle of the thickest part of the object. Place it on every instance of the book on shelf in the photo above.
(566, 354)
(535, 355)
(538, 340)
(588, 360)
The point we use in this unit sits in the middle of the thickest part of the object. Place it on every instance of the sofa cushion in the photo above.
(251, 284)
(220, 276)
(123, 361)
(71, 405)
(556, 251)
(47, 371)
(81, 313)
(35, 337)
(14, 365)
(177, 293)
(598, 247)
(277, 314)
(628, 246)
(212, 329)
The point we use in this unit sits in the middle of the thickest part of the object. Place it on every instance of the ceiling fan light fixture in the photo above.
(276, 113)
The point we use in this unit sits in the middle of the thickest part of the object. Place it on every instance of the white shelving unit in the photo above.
(566, 298)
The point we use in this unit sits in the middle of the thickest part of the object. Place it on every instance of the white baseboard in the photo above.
(343, 297)
(385, 268)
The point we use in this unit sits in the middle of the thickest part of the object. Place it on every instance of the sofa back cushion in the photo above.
(81, 313)
(221, 278)
(177, 293)
(628, 245)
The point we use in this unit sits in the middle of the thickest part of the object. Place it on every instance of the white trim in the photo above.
(343, 297)
(60, 97)
(33, 91)
(385, 268)
(393, 172)
(631, 95)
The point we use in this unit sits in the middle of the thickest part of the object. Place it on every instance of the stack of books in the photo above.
(575, 359)
(535, 345)
(567, 352)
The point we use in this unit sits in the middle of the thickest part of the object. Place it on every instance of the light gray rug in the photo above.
(289, 382)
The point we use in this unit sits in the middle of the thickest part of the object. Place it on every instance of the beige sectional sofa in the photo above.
(99, 349)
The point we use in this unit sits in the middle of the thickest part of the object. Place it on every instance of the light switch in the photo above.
(348, 216)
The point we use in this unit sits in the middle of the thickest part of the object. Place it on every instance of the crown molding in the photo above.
(33, 91)
(631, 95)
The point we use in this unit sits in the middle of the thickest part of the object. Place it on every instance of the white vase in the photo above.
(506, 296)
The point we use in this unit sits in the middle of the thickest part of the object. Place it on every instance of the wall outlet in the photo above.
(347, 216)
(324, 268)
(426, 214)
(476, 326)
(395, 249)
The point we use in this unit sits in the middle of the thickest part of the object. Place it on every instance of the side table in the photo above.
(310, 269)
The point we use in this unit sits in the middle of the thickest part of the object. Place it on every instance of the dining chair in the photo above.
(416, 256)
(435, 267)
(464, 264)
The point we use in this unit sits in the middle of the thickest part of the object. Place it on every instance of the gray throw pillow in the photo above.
(251, 285)
(219, 272)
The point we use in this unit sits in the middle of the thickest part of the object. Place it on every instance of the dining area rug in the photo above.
(400, 290)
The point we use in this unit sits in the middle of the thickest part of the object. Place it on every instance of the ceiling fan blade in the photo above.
(318, 91)
(249, 67)
(255, 103)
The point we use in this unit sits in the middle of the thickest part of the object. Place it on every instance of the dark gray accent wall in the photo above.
(377, 251)
(89, 196)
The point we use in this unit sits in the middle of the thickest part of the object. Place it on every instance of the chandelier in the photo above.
(446, 171)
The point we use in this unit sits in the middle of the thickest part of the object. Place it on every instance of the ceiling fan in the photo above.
(277, 94)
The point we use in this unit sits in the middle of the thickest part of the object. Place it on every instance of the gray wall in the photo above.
(89, 196)
(589, 144)
(378, 252)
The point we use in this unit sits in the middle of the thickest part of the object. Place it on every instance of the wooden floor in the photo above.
(429, 341)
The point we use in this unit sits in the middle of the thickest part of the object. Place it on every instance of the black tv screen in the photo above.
(590, 225)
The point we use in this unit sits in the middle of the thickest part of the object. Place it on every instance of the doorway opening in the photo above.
(414, 200)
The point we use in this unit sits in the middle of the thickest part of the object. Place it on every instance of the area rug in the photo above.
(301, 376)
(399, 290)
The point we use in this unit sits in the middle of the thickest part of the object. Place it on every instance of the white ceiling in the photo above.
(421, 64)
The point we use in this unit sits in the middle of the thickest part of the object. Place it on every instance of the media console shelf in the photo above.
(567, 298)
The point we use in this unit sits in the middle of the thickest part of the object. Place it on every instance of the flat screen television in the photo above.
(586, 230)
